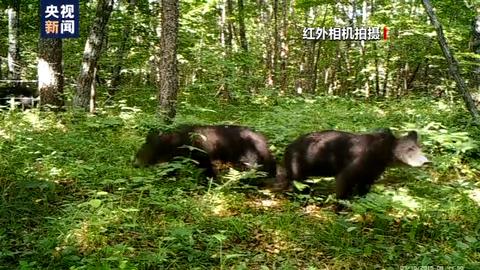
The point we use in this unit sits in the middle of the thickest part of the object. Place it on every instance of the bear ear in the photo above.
(413, 135)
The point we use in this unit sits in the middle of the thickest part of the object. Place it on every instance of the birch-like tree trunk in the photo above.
(85, 95)
(50, 72)
(13, 48)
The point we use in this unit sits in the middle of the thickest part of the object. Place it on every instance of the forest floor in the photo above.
(70, 199)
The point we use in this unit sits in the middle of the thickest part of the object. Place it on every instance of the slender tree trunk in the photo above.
(475, 47)
(116, 76)
(332, 87)
(377, 68)
(284, 49)
(168, 77)
(226, 38)
(229, 29)
(385, 88)
(50, 72)
(426, 76)
(276, 42)
(364, 59)
(154, 60)
(93, 47)
(412, 77)
(13, 48)
(268, 56)
(377, 71)
(241, 24)
(301, 83)
(245, 71)
(452, 62)
(315, 69)
(317, 58)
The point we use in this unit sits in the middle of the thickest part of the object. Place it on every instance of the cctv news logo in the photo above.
(344, 33)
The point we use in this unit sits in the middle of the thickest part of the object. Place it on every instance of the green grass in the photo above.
(70, 199)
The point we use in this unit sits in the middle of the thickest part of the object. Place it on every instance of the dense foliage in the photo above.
(71, 199)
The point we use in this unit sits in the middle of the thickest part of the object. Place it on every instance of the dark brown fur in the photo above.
(356, 160)
(237, 145)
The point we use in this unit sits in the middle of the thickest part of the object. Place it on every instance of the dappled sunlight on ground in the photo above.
(218, 204)
(271, 203)
(271, 241)
(5, 135)
(402, 197)
(379, 112)
(81, 238)
(443, 106)
(316, 212)
(39, 123)
(474, 195)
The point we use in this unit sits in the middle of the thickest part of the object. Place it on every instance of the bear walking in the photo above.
(237, 145)
(356, 160)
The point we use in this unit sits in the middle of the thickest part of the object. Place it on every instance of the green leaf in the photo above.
(470, 239)
(220, 237)
(230, 256)
(349, 229)
(95, 203)
(300, 186)
(462, 245)
(130, 209)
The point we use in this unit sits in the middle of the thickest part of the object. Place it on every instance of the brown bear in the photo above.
(356, 160)
(236, 145)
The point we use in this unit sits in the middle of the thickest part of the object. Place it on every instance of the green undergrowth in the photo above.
(70, 199)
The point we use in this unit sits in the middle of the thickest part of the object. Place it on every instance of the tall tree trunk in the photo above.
(245, 71)
(168, 77)
(386, 70)
(475, 47)
(154, 60)
(241, 24)
(284, 49)
(315, 69)
(229, 29)
(377, 71)
(116, 76)
(13, 48)
(50, 72)
(412, 77)
(276, 45)
(302, 82)
(452, 62)
(265, 29)
(315, 59)
(226, 38)
(93, 47)
(364, 60)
